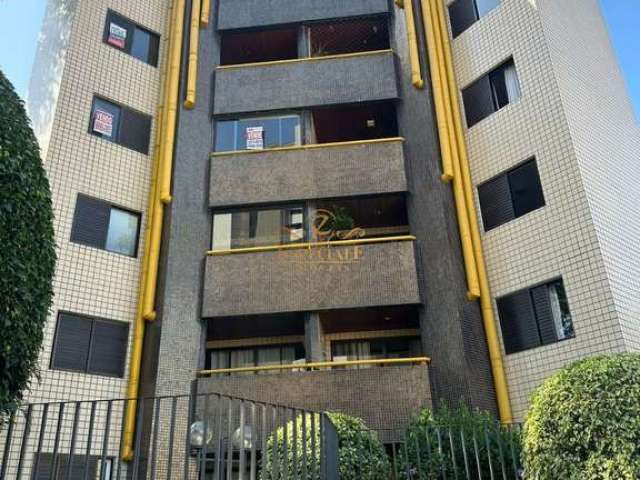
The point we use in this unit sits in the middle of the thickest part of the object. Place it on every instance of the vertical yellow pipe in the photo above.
(205, 14)
(194, 40)
(489, 320)
(471, 269)
(436, 85)
(414, 57)
(166, 166)
(149, 273)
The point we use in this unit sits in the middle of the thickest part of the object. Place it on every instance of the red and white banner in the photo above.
(117, 35)
(103, 123)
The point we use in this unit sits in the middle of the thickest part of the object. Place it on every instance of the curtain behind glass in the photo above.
(511, 82)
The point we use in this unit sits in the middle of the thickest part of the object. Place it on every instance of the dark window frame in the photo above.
(456, 32)
(529, 291)
(489, 77)
(282, 207)
(299, 347)
(93, 319)
(111, 206)
(131, 27)
(507, 174)
(116, 138)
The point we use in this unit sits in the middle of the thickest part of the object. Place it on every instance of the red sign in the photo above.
(117, 35)
(103, 123)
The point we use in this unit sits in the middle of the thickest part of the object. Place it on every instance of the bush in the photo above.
(584, 422)
(27, 256)
(438, 445)
(361, 455)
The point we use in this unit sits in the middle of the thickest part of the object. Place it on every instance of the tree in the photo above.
(584, 422)
(27, 254)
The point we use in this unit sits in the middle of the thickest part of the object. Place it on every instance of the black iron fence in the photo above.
(204, 437)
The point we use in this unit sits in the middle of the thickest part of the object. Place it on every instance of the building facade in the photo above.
(248, 192)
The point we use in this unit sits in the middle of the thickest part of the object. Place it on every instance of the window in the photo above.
(535, 316)
(510, 195)
(90, 345)
(373, 349)
(491, 92)
(258, 133)
(125, 35)
(464, 13)
(259, 227)
(345, 123)
(120, 125)
(255, 356)
(101, 225)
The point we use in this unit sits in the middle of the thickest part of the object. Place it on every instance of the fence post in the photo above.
(329, 452)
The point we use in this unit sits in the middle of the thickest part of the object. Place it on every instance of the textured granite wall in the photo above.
(329, 81)
(316, 279)
(303, 174)
(260, 13)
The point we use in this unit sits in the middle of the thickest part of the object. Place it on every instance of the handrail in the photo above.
(298, 366)
(192, 66)
(204, 15)
(310, 245)
(311, 146)
(412, 37)
(304, 59)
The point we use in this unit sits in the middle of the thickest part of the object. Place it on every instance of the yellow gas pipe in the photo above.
(449, 148)
(204, 15)
(414, 56)
(161, 173)
(194, 41)
(433, 13)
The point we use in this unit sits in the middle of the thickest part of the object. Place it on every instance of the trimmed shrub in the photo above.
(584, 422)
(361, 455)
(27, 256)
(448, 443)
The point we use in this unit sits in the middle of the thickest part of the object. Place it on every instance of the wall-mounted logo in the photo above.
(327, 249)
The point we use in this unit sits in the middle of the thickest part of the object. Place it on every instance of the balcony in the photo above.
(236, 14)
(307, 172)
(304, 83)
(336, 386)
(311, 276)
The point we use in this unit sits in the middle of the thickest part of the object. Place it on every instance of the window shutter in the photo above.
(90, 222)
(71, 343)
(108, 348)
(544, 314)
(462, 14)
(526, 189)
(495, 202)
(518, 322)
(478, 101)
(135, 131)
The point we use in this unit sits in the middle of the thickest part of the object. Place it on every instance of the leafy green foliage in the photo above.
(584, 422)
(361, 455)
(27, 255)
(437, 445)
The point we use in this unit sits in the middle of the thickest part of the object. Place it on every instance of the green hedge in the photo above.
(584, 422)
(438, 444)
(27, 256)
(361, 455)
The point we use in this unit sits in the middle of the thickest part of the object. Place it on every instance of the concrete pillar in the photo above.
(313, 337)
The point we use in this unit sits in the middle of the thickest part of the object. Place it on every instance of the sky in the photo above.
(20, 21)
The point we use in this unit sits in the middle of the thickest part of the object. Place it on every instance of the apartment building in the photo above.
(370, 206)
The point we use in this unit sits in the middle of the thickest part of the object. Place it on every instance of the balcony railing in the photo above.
(296, 367)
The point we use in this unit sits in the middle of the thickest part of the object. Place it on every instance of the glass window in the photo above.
(379, 348)
(105, 119)
(260, 227)
(255, 356)
(485, 6)
(464, 13)
(122, 234)
(141, 44)
(125, 35)
(258, 133)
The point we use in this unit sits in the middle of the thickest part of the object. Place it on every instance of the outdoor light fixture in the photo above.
(242, 438)
(197, 434)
